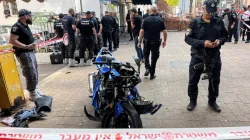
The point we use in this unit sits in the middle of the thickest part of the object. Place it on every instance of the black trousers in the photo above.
(115, 38)
(130, 30)
(72, 46)
(154, 48)
(87, 43)
(243, 31)
(64, 50)
(194, 77)
(107, 36)
(233, 32)
(97, 45)
(248, 31)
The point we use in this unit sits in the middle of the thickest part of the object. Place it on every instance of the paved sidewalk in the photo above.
(69, 88)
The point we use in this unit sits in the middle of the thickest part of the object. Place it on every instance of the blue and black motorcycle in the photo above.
(115, 98)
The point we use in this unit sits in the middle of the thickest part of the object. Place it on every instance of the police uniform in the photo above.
(96, 24)
(26, 57)
(107, 24)
(233, 31)
(199, 32)
(87, 40)
(58, 27)
(152, 27)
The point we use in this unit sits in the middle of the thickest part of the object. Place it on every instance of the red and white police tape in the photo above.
(124, 134)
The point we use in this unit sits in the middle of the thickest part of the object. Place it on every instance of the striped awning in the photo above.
(142, 2)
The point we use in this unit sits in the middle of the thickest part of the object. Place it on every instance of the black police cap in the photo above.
(211, 6)
(23, 12)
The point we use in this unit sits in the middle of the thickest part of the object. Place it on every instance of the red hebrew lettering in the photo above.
(77, 137)
(192, 135)
(69, 136)
(18, 135)
(107, 136)
(234, 133)
(177, 135)
(86, 137)
(38, 135)
(26, 136)
(11, 135)
(145, 135)
(62, 135)
(152, 136)
(137, 136)
(167, 135)
(187, 135)
(240, 134)
(202, 135)
(3, 135)
(212, 134)
(247, 132)
(130, 135)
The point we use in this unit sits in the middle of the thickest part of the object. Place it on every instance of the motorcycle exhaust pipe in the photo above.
(91, 78)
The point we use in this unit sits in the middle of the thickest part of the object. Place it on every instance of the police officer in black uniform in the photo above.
(86, 27)
(206, 34)
(58, 30)
(22, 40)
(233, 25)
(97, 27)
(106, 30)
(151, 29)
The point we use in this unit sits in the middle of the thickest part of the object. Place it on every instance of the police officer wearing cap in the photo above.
(151, 29)
(22, 40)
(233, 28)
(206, 34)
(86, 27)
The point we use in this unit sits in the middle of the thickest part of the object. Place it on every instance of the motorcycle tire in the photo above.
(129, 111)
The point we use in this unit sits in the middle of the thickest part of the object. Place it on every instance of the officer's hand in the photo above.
(139, 45)
(208, 44)
(216, 43)
(163, 44)
(99, 34)
(31, 47)
(232, 26)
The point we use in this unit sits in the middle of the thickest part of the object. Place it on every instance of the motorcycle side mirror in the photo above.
(137, 61)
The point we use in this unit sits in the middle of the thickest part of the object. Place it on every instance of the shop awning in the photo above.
(142, 2)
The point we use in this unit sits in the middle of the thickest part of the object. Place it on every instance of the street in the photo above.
(69, 88)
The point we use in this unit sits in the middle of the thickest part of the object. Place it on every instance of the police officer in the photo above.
(86, 27)
(69, 28)
(106, 30)
(233, 28)
(151, 29)
(58, 30)
(97, 27)
(24, 46)
(207, 34)
(115, 30)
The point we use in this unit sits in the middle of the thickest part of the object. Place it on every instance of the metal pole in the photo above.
(241, 6)
(81, 5)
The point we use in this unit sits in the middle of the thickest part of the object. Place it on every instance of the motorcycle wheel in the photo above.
(128, 119)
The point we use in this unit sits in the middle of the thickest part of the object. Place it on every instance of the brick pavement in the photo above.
(69, 88)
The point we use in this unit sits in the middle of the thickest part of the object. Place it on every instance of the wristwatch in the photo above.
(27, 46)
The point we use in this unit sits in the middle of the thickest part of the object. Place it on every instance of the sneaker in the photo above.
(89, 62)
(39, 92)
(82, 62)
(72, 63)
(236, 42)
(66, 61)
(33, 95)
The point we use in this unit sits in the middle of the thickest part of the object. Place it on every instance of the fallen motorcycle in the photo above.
(115, 98)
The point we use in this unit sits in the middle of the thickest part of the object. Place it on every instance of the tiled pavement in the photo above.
(69, 88)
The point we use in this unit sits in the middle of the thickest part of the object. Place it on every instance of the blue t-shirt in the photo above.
(68, 21)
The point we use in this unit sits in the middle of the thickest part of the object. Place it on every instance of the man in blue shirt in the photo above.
(69, 28)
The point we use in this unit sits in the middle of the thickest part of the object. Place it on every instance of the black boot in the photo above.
(147, 72)
(236, 42)
(192, 104)
(243, 39)
(152, 76)
(214, 105)
(247, 41)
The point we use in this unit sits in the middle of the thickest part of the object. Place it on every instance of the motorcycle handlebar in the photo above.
(102, 63)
